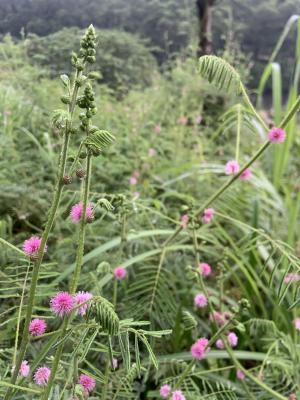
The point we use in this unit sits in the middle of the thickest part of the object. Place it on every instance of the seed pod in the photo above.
(80, 173)
(67, 180)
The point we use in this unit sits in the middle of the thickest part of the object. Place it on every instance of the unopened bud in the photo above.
(67, 180)
(80, 173)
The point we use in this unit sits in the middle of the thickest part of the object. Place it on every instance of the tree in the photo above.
(204, 8)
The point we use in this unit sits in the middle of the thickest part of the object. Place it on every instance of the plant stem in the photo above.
(257, 381)
(73, 287)
(38, 262)
(82, 229)
(227, 184)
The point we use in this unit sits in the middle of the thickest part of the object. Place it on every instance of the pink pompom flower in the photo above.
(240, 375)
(220, 344)
(178, 395)
(184, 220)
(232, 167)
(62, 303)
(31, 246)
(182, 120)
(24, 369)
(276, 135)
(205, 269)
(152, 152)
(200, 300)
(292, 277)
(76, 212)
(115, 363)
(82, 297)
(232, 339)
(133, 181)
(199, 349)
(37, 327)
(120, 272)
(198, 119)
(246, 175)
(220, 318)
(42, 375)
(157, 128)
(87, 382)
(208, 215)
(165, 391)
(297, 323)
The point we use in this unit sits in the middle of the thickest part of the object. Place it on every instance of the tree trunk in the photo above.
(204, 8)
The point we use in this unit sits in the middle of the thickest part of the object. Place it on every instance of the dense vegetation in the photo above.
(147, 148)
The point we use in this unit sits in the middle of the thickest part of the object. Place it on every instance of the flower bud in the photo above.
(65, 99)
(67, 179)
(80, 173)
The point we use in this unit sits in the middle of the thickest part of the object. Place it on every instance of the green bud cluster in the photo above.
(87, 101)
(87, 45)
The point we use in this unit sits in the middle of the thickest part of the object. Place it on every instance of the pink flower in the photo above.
(136, 174)
(240, 375)
(87, 382)
(232, 167)
(42, 375)
(220, 344)
(205, 269)
(82, 297)
(208, 215)
(184, 221)
(297, 323)
(165, 391)
(133, 180)
(292, 396)
(200, 300)
(114, 363)
(37, 327)
(62, 303)
(232, 339)
(276, 135)
(120, 272)
(292, 277)
(178, 395)
(220, 318)
(157, 128)
(152, 152)
(182, 120)
(31, 246)
(198, 119)
(246, 175)
(199, 349)
(76, 213)
(24, 369)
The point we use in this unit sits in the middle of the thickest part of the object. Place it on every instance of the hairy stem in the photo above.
(38, 262)
(73, 287)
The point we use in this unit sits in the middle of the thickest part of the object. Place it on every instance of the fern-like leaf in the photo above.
(99, 140)
(104, 313)
(218, 72)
